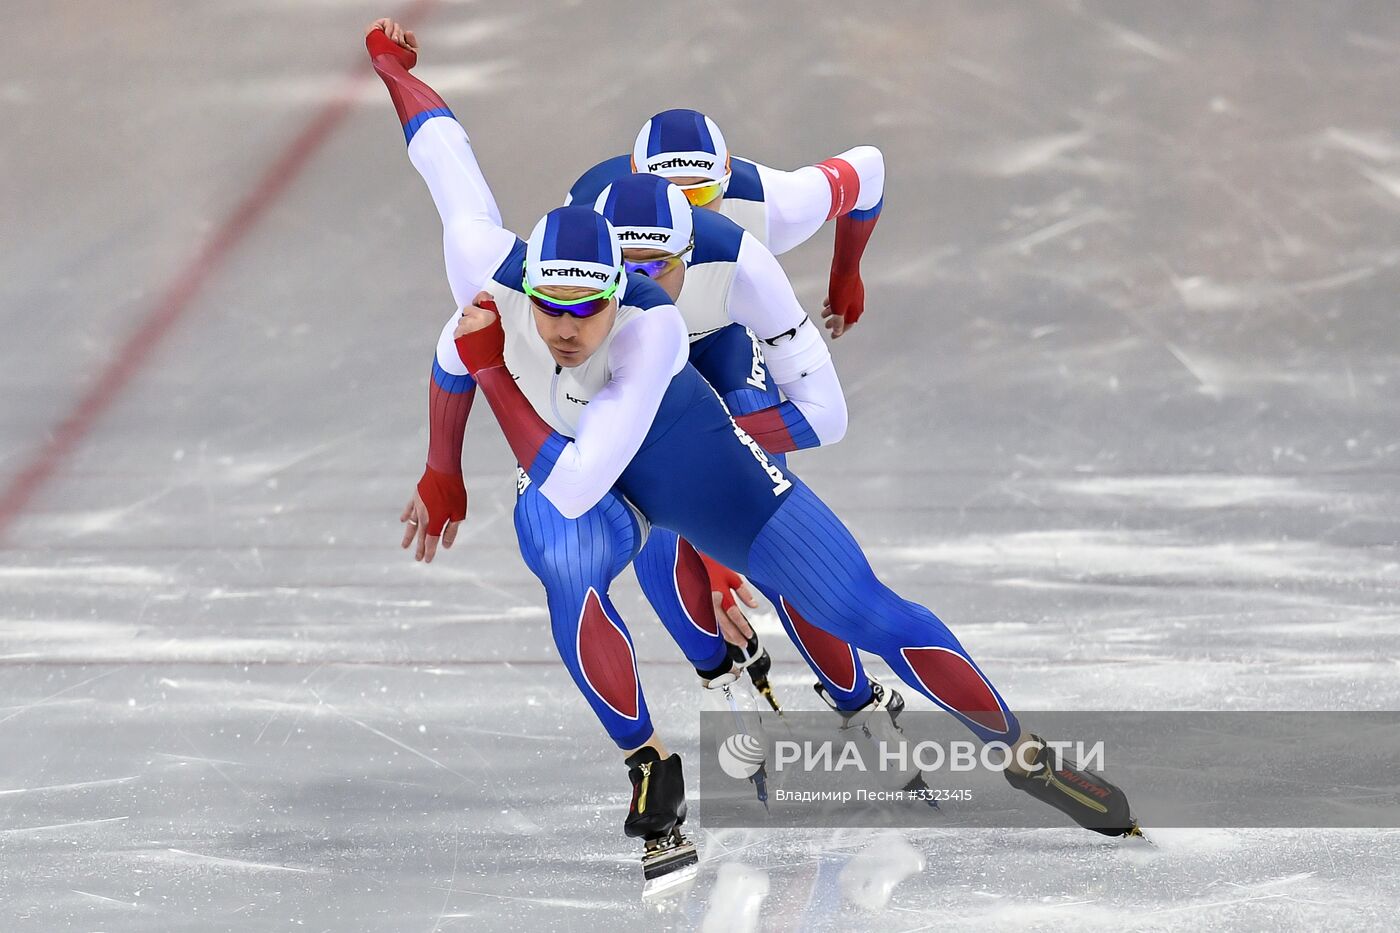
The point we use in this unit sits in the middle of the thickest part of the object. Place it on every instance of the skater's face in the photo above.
(671, 278)
(701, 191)
(572, 340)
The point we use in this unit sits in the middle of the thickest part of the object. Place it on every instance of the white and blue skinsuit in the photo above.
(635, 435)
(731, 277)
(779, 210)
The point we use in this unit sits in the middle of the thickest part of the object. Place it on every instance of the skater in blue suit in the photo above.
(585, 367)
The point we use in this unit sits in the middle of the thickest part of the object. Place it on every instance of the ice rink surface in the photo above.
(1124, 413)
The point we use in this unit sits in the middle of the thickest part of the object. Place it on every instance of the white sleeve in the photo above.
(796, 203)
(473, 240)
(799, 202)
(646, 353)
(447, 356)
(869, 164)
(761, 298)
(819, 397)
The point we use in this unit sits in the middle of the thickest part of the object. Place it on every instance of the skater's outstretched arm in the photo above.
(849, 187)
(474, 242)
(762, 299)
(645, 353)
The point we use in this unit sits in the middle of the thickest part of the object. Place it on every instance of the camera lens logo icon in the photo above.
(740, 756)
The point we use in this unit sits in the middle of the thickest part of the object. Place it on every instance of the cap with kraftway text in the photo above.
(681, 143)
(647, 212)
(573, 246)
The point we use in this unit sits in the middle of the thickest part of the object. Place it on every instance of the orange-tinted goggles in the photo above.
(704, 192)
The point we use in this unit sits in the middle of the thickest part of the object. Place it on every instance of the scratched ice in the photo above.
(1124, 412)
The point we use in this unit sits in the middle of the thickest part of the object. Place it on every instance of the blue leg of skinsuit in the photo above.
(674, 581)
(670, 572)
(732, 361)
(695, 476)
(576, 560)
(844, 598)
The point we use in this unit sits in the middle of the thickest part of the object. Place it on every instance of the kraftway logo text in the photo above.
(575, 270)
(680, 163)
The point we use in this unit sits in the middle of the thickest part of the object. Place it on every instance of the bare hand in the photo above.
(833, 321)
(395, 31)
(415, 519)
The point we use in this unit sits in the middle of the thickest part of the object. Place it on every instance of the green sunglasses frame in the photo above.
(569, 302)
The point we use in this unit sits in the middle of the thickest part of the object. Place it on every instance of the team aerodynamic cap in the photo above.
(574, 246)
(677, 143)
(647, 212)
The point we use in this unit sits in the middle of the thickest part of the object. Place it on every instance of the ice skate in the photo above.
(1086, 797)
(655, 815)
(755, 659)
(728, 694)
(878, 722)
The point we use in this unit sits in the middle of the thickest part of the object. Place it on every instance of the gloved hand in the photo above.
(386, 37)
(480, 339)
(845, 302)
(434, 513)
(725, 586)
(445, 495)
(726, 583)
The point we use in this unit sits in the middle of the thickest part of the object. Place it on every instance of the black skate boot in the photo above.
(878, 722)
(655, 815)
(755, 659)
(1086, 797)
(882, 699)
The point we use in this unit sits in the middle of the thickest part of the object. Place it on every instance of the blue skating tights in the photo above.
(803, 552)
(687, 611)
(670, 571)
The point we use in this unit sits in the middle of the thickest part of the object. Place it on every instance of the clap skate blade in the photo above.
(667, 862)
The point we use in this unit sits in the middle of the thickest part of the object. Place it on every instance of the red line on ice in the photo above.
(177, 298)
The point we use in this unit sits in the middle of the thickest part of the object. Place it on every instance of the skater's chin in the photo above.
(568, 358)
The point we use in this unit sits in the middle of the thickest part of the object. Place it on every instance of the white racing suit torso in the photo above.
(559, 394)
(621, 383)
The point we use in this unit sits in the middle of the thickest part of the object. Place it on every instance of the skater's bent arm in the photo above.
(474, 242)
(799, 202)
(574, 474)
(788, 426)
(849, 187)
(645, 354)
(762, 299)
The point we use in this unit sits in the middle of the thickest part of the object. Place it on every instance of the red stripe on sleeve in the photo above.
(845, 185)
(768, 428)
